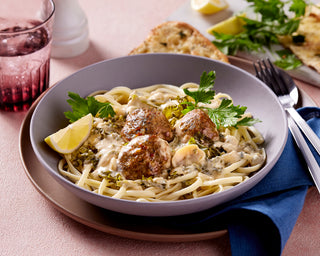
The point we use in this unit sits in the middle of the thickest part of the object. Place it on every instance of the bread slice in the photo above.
(179, 37)
(308, 51)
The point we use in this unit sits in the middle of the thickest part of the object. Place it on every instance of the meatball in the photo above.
(144, 156)
(147, 121)
(196, 123)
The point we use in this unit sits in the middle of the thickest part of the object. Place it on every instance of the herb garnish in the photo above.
(204, 93)
(83, 106)
(272, 22)
(226, 114)
(287, 60)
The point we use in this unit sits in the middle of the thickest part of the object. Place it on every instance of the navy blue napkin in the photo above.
(260, 221)
(282, 195)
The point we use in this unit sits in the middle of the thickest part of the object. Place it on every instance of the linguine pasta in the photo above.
(195, 168)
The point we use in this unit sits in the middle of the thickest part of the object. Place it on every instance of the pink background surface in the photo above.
(29, 225)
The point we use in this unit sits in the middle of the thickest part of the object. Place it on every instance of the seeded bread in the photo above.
(307, 51)
(179, 37)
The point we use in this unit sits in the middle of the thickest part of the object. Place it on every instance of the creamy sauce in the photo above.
(193, 161)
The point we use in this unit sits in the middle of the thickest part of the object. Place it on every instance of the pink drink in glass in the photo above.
(24, 62)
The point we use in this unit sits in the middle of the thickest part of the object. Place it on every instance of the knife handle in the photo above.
(305, 128)
(313, 166)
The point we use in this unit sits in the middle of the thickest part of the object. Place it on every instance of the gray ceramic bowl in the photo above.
(143, 70)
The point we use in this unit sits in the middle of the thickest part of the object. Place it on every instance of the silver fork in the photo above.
(284, 87)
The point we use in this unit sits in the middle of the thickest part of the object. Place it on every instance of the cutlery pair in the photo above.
(286, 90)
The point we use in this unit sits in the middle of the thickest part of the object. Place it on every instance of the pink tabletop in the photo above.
(30, 225)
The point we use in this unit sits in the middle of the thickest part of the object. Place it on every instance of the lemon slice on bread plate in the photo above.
(209, 6)
(231, 26)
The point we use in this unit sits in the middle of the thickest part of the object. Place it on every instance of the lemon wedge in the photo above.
(209, 6)
(231, 26)
(70, 138)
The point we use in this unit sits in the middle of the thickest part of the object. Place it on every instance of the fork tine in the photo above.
(271, 76)
(269, 81)
(257, 71)
(268, 76)
(277, 74)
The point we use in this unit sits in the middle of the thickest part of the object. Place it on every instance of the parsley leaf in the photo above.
(229, 115)
(204, 93)
(81, 107)
(298, 7)
(226, 114)
(231, 44)
(287, 60)
(269, 9)
(271, 22)
(247, 121)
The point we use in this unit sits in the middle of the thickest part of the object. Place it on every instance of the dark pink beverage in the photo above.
(24, 65)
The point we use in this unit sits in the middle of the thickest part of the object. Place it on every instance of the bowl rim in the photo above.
(258, 175)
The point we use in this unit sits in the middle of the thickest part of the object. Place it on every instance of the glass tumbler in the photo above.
(25, 45)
